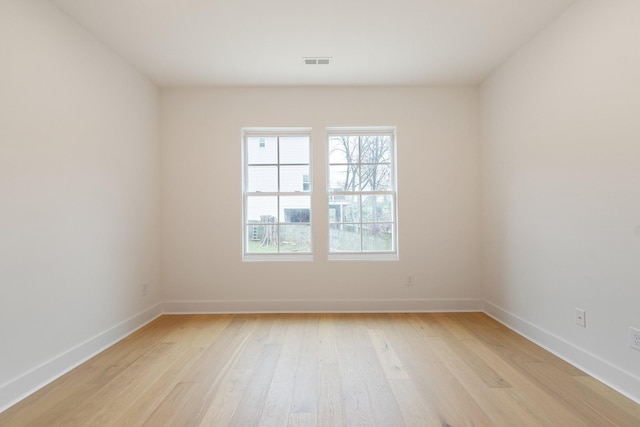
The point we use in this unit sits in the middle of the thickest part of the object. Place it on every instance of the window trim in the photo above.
(246, 133)
(393, 255)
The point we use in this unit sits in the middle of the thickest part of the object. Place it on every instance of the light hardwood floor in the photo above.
(461, 369)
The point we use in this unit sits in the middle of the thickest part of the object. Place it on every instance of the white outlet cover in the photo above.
(581, 318)
(634, 338)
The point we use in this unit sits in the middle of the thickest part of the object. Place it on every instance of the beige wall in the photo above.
(78, 195)
(561, 188)
(438, 199)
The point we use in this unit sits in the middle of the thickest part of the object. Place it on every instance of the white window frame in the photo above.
(392, 255)
(277, 256)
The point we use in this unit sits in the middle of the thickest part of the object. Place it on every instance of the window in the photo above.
(276, 193)
(362, 193)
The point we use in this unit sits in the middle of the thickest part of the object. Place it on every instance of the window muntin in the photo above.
(362, 193)
(277, 193)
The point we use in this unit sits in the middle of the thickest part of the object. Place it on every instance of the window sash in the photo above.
(281, 226)
(359, 226)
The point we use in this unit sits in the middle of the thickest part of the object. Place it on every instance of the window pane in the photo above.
(361, 186)
(377, 208)
(294, 149)
(295, 209)
(292, 178)
(344, 178)
(344, 238)
(376, 149)
(343, 149)
(295, 238)
(262, 150)
(262, 209)
(376, 178)
(262, 178)
(277, 192)
(377, 237)
(344, 208)
(262, 238)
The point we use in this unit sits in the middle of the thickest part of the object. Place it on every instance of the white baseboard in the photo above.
(17, 389)
(620, 380)
(323, 306)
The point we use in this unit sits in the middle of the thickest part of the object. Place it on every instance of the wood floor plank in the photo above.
(305, 389)
(358, 406)
(225, 403)
(571, 392)
(78, 409)
(610, 395)
(331, 410)
(278, 402)
(166, 414)
(261, 334)
(401, 369)
(133, 382)
(327, 350)
(499, 406)
(391, 364)
(255, 393)
(527, 387)
(302, 419)
(53, 399)
(142, 405)
(198, 330)
(454, 333)
(510, 344)
(213, 368)
(447, 399)
(456, 407)
(416, 411)
(367, 393)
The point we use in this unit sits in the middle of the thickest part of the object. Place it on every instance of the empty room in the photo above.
(297, 213)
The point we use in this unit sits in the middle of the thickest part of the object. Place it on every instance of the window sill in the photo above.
(277, 257)
(363, 256)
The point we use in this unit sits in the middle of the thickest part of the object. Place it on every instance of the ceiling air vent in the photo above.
(317, 60)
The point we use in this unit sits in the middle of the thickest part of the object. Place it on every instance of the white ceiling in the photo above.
(259, 42)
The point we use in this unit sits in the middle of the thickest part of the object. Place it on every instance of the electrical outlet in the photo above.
(581, 318)
(634, 338)
(145, 289)
(410, 281)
